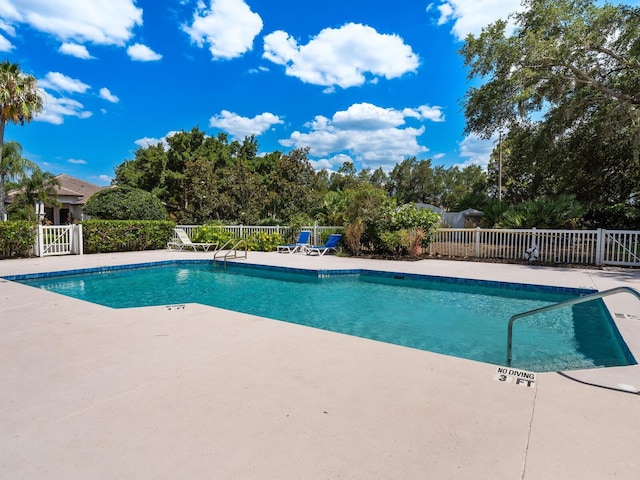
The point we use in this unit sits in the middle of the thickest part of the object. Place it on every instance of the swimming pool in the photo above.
(452, 316)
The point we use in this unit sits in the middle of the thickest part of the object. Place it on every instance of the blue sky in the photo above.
(372, 82)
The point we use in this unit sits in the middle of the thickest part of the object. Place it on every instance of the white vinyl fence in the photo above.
(587, 247)
(579, 247)
(243, 231)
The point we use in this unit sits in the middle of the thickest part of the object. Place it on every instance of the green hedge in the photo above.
(125, 203)
(17, 238)
(101, 236)
(257, 241)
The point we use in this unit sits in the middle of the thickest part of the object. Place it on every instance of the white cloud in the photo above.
(105, 22)
(228, 27)
(332, 163)
(149, 141)
(5, 27)
(476, 150)
(55, 109)
(371, 135)
(343, 57)
(108, 96)
(5, 45)
(240, 127)
(470, 16)
(77, 161)
(145, 142)
(260, 69)
(142, 53)
(61, 83)
(105, 178)
(75, 50)
(426, 112)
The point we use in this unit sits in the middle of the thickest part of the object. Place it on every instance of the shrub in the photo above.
(403, 230)
(125, 203)
(17, 238)
(264, 242)
(213, 233)
(391, 241)
(102, 236)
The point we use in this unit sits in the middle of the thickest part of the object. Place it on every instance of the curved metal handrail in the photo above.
(219, 250)
(233, 250)
(566, 303)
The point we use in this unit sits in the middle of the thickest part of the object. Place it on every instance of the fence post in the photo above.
(477, 242)
(40, 251)
(600, 245)
(79, 239)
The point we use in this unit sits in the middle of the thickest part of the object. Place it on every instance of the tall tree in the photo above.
(294, 187)
(20, 101)
(562, 52)
(566, 86)
(243, 195)
(202, 192)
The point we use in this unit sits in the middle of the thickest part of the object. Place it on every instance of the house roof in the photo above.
(69, 187)
(426, 206)
(74, 187)
(472, 212)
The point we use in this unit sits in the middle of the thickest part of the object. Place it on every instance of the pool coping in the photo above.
(316, 272)
(630, 336)
(352, 272)
(458, 420)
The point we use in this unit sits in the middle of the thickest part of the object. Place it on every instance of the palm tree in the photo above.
(39, 187)
(13, 165)
(20, 101)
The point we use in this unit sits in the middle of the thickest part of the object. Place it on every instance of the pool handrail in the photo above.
(566, 303)
(233, 250)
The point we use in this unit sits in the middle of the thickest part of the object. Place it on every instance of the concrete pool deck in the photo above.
(198, 392)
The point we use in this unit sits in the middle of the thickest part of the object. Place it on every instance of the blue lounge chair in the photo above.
(332, 243)
(303, 241)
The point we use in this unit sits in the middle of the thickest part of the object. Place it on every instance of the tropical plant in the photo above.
(39, 187)
(13, 166)
(560, 212)
(20, 101)
(492, 212)
(334, 208)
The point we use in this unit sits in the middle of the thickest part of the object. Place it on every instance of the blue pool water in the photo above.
(457, 317)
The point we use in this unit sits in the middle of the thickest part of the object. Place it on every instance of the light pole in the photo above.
(500, 165)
